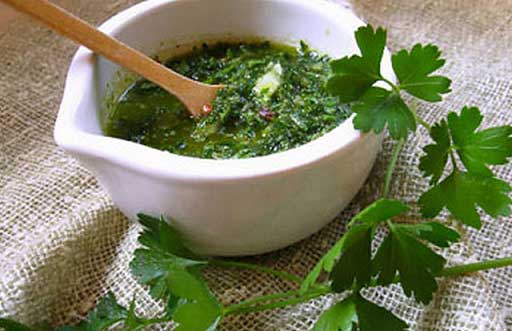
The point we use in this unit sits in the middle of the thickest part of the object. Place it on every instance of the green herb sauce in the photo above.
(274, 100)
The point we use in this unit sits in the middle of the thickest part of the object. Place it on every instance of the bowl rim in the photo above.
(162, 164)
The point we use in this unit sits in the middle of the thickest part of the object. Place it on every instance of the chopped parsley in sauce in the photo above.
(275, 100)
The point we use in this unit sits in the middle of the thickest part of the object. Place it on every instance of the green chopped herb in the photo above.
(275, 100)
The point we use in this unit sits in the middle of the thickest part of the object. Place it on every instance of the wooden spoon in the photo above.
(194, 95)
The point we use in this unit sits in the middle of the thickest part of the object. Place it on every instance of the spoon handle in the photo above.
(85, 34)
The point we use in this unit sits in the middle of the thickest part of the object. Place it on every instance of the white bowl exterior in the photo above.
(223, 207)
(248, 215)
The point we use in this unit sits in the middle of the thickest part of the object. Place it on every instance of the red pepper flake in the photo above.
(267, 114)
(207, 108)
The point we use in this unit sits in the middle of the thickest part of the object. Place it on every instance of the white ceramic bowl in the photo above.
(224, 207)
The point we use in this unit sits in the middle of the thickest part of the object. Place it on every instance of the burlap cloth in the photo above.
(63, 244)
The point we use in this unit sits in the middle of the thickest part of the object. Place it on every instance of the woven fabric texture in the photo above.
(63, 244)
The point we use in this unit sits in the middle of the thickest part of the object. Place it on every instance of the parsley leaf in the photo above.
(403, 252)
(106, 314)
(413, 71)
(340, 317)
(10, 325)
(356, 313)
(461, 192)
(349, 86)
(172, 273)
(132, 322)
(372, 317)
(152, 268)
(354, 265)
(201, 312)
(378, 107)
(433, 232)
(477, 149)
(158, 235)
(353, 76)
(326, 263)
(371, 44)
(434, 161)
(7, 324)
(163, 251)
(380, 210)
(347, 248)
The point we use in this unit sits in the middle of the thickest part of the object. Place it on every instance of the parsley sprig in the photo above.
(457, 139)
(457, 164)
(354, 77)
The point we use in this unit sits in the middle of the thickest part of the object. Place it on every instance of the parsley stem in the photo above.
(462, 269)
(419, 120)
(394, 87)
(474, 267)
(422, 122)
(391, 167)
(264, 298)
(249, 266)
(452, 157)
(244, 308)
